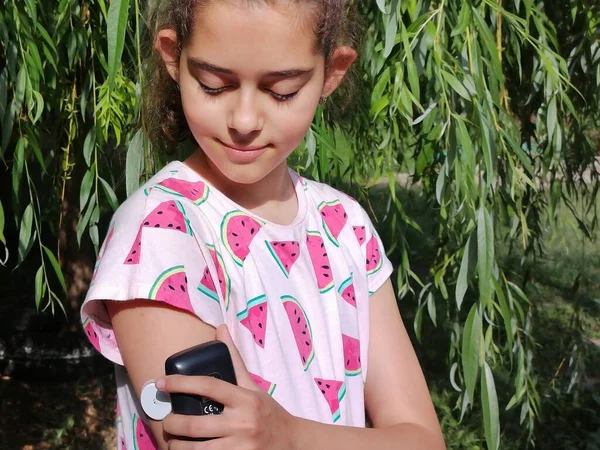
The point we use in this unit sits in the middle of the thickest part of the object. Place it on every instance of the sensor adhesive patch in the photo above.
(156, 404)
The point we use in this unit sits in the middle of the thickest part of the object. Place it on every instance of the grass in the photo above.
(80, 414)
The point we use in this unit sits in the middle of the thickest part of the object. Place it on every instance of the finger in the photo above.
(241, 372)
(227, 443)
(209, 426)
(218, 390)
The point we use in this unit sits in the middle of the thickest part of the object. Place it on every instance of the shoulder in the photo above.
(174, 183)
(327, 198)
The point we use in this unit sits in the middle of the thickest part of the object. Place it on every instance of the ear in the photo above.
(340, 62)
(166, 46)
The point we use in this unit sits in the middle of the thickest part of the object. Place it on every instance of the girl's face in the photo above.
(250, 83)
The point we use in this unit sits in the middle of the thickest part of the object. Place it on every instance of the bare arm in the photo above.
(397, 397)
(148, 332)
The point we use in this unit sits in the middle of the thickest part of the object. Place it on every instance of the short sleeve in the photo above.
(379, 267)
(152, 251)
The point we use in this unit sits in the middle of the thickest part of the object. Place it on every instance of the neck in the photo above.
(275, 188)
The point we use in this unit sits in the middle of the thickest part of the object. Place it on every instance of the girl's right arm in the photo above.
(148, 332)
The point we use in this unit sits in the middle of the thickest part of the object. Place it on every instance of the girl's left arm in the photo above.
(397, 397)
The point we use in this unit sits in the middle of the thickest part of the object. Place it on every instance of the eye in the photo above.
(283, 97)
(212, 91)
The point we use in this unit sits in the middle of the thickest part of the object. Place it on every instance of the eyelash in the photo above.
(216, 91)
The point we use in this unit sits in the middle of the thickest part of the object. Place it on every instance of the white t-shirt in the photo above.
(295, 297)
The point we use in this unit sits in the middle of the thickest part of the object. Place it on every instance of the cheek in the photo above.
(203, 114)
(291, 127)
(292, 121)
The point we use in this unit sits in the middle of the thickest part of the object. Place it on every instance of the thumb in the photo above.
(241, 372)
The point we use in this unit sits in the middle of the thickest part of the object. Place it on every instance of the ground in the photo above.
(71, 415)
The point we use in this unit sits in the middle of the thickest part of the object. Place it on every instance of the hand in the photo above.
(251, 419)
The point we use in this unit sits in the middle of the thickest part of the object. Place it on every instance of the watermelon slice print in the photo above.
(143, 438)
(172, 287)
(320, 261)
(169, 215)
(361, 234)
(303, 182)
(373, 260)
(334, 219)
(265, 385)
(333, 392)
(207, 286)
(351, 355)
(91, 334)
(105, 332)
(133, 257)
(301, 329)
(254, 317)
(286, 253)
(222, 276)
(197, 191)
(237, 232)
(346, 290)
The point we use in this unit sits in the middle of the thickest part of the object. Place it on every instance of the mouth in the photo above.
(243, 149)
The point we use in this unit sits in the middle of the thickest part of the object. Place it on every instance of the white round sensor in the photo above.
(156, 404)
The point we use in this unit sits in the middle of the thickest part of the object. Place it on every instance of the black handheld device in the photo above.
(208, 359)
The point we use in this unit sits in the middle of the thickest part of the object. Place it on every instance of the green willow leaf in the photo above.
(15, 108)
(39, 286)
(117, 26)
(44, 34)
(413, 77)
(110, 194)
(467, 266)
(3, 94)
(89, 145)
(552, 119)
(489, 405)
(134, 163)
(456, 85)
(471, 349)
(391, 30)
(439, 185)
(32, 10)
(56, 267)
(485, 254)
(431, 309)
(86, 188)
(507, 315)
(2, 238)
(463, 19)
(19, 165)
(25, 233)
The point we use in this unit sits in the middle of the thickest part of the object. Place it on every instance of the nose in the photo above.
(245, 117)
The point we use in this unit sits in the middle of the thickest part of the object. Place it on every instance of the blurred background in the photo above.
(470, 131)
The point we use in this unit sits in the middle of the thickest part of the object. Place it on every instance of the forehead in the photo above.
(254, 38)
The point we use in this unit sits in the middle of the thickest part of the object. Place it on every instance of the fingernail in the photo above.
(160, 383)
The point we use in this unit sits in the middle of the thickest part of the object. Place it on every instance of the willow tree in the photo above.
(488, 106)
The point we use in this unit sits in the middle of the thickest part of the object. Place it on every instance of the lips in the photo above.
(243, 149)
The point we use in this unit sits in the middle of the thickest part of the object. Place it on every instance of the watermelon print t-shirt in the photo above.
(295, 297)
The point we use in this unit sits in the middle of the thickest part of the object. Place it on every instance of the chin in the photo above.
(245, 174)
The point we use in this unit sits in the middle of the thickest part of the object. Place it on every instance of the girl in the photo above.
(232, 244)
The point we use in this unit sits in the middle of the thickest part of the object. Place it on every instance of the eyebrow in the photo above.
(289, 73)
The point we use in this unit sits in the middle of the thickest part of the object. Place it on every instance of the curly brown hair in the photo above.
(163, 120)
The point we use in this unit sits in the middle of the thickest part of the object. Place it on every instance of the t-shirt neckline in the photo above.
(298, 188)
